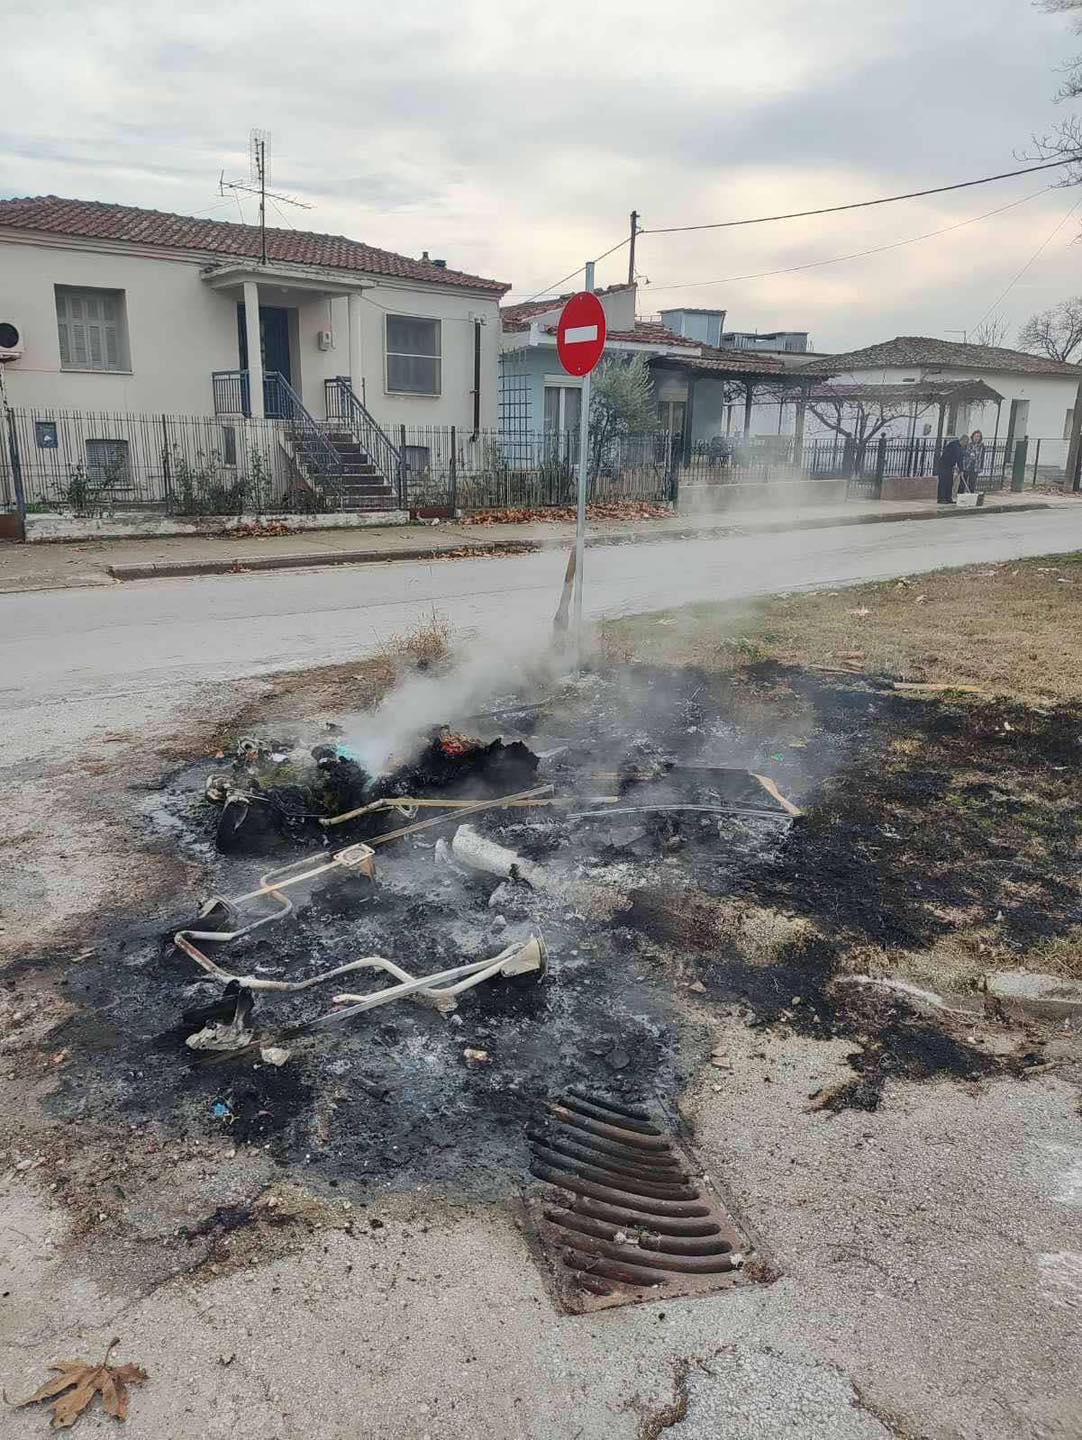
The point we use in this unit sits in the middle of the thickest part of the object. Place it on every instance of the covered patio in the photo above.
(283, 313)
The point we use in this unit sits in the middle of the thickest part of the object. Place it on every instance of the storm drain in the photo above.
(624, 1216)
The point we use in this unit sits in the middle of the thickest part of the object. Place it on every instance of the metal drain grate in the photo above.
(628, 1216)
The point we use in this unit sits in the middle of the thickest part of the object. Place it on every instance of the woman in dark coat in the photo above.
(951, 459)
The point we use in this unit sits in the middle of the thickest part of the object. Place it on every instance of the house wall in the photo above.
(1049, 397)
(456, 313)
(180, 330)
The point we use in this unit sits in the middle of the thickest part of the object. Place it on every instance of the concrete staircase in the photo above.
(360, 485)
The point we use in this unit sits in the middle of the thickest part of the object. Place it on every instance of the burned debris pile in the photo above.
(398, 969)
(279, 793)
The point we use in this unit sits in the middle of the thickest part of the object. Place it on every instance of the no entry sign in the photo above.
(580, 335)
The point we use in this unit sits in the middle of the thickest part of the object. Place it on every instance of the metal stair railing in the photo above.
(343, 406)
(281, 402)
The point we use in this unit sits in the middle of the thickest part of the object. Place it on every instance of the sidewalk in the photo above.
(62, 566)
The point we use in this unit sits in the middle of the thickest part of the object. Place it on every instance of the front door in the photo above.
(274, 345)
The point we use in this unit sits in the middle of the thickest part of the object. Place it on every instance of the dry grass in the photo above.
(1009, 629)
(427, 645)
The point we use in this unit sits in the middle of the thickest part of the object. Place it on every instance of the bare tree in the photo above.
(992, 331)
(1066, 140)
(856, 419)
(1072, 85)
(1056, 332)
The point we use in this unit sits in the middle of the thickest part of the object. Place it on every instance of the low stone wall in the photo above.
(909, 487)
(780, 495)
(59, 527)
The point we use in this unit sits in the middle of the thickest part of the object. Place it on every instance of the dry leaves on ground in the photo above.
(566, 514)
(82, 1382)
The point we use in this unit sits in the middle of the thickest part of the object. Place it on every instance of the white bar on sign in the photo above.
(579, 334)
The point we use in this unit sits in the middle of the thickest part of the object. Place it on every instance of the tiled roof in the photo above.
(513, 316)
(95, 220)
(738, 362)
(921, 350)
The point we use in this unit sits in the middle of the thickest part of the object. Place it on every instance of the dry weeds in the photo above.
(1010, 630)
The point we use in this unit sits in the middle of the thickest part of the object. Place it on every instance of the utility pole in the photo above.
(631, 250)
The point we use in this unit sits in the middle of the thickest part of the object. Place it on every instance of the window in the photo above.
(92, 328)
(563, 407)
(671, 414)
(229, 445)
(107, 463)
(413, 355)
(1068, 423)
(418, 460)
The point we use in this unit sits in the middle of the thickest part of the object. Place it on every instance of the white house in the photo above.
(1038, 401)
(111, 310)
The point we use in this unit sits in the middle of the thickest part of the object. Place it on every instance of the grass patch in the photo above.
(1010, 630)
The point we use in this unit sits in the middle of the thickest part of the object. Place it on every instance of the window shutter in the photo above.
(89, 328)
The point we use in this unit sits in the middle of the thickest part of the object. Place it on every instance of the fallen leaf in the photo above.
(477, 1056)
(82, 1382)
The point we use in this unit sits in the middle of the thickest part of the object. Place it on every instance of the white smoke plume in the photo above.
(423, 700)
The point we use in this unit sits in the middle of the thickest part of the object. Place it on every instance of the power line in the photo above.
(856, 254)
(563, 281)
(1036, 254)
(861, 204)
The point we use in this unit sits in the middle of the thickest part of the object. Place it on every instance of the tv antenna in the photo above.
(259, 161)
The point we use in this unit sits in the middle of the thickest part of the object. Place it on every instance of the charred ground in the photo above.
(920, 816)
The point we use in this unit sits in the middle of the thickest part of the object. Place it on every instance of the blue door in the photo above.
(274, 343)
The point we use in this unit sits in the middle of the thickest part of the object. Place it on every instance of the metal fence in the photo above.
(449, 468)
(93, 463)
(96, 462)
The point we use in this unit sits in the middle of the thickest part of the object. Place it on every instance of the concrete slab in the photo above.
(1025, 995)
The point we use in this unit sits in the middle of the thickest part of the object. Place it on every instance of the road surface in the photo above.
(77, 660)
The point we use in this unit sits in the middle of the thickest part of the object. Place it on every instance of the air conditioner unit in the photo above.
(325, 339)
(11, 341)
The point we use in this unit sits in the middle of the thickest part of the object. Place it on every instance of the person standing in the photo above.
(974, 459)
(952, 459)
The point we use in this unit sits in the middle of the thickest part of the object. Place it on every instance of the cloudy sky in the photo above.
(514, 138)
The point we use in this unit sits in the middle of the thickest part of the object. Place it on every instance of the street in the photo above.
(75, 660)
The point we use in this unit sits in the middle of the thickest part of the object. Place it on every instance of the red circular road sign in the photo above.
(580, 335)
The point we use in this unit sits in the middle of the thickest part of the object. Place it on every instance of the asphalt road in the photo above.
(77, 660)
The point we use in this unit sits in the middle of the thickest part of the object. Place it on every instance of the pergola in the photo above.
(946, 395)
(741, 367)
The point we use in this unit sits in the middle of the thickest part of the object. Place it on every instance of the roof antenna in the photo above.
(259, 159)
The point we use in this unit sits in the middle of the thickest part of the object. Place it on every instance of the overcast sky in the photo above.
(512, 139)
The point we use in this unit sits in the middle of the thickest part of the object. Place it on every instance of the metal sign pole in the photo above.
(580, 523)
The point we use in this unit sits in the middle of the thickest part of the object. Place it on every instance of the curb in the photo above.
(180, 569)
(239, 565)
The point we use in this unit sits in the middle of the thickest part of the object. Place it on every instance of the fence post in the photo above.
(880, 464)
(1018, 468)
(453, 495)
(403, 481)
(167, 476)
(1036, 459)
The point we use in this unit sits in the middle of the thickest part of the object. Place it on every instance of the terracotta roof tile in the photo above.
(925, 351)
(96, 220)
(525, 310)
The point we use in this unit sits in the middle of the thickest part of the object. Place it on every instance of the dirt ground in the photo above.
(914, 1178)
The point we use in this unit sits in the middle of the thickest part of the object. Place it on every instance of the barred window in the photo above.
(413, 355)
(92, 329)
